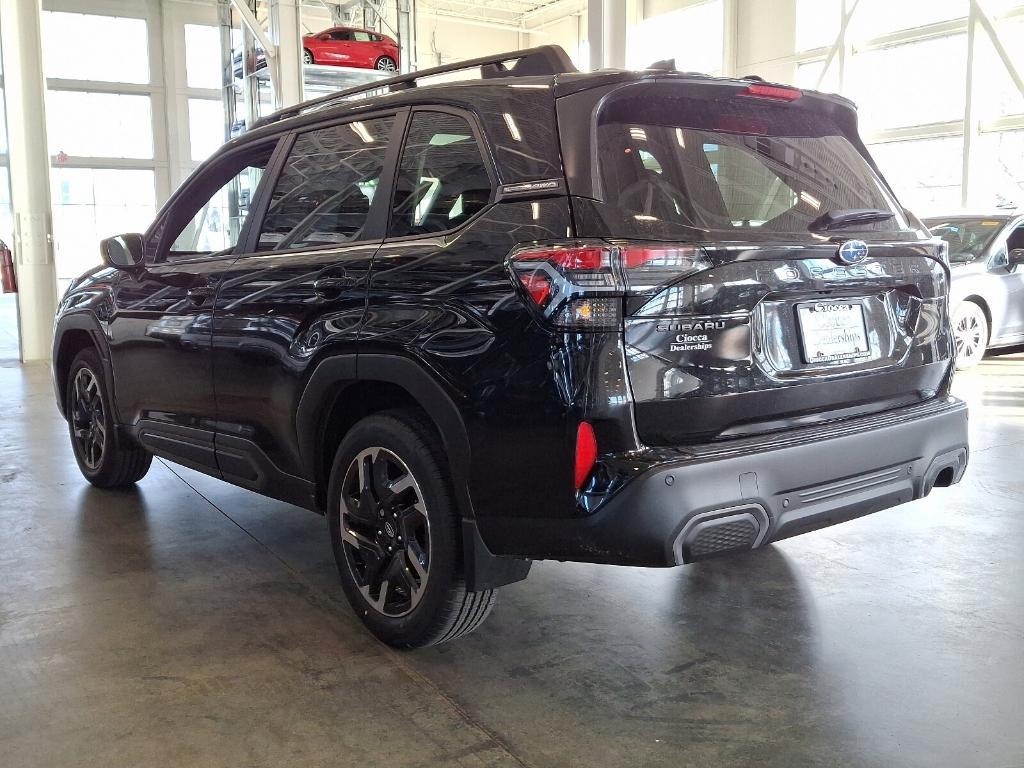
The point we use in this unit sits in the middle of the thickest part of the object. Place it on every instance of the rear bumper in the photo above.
(734, 496)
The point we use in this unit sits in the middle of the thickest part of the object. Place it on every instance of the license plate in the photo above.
(833, 332)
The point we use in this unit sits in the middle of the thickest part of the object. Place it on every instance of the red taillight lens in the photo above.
(538, 286)
(587, 258)
(645, 268)
(581, 285)
(776, 92)
(586, 452)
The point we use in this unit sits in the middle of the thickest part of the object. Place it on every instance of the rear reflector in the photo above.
(586, 452)
(776, 92)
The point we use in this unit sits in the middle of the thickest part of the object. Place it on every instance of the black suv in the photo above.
(619, 317)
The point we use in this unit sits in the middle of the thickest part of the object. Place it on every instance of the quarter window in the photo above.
(324, 192)
(442, 180)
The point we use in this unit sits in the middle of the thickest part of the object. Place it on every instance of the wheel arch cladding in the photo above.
(71, 338)
(339, 393)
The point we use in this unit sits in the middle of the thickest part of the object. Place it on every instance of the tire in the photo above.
(102, 460)
(386, 64)
(307, 56)
(429, 603)
(970, 331)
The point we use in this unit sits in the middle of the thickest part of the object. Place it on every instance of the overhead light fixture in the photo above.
(811, 200)
(512, 127)
(362, 133)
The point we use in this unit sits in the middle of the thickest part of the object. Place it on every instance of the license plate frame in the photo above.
(833, 333)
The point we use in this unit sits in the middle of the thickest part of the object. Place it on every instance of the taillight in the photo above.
(586, 452)
(581, 285)
(775, 92)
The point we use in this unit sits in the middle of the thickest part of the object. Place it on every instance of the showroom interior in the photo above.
(187, 621)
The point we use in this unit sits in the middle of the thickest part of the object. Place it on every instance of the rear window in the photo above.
(673, 165)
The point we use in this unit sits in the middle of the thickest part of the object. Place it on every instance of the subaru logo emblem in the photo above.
(852, 252)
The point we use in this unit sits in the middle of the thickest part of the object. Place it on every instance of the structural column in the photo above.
(286, 34)
(25, 95)
(606, 33)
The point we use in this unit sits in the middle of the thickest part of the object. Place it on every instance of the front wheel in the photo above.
(386, 64)
(396, 534)
(970, 332)
(88, 406)
(307, 57)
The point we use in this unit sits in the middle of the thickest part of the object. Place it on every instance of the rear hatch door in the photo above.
(819, 297)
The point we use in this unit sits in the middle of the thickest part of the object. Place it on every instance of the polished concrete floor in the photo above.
(187, 623)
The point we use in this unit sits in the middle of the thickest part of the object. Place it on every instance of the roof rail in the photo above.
(542, 60)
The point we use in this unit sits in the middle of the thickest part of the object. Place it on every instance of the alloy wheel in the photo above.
(386, 65)
(969, 335)
(88, 419)
(385, 531)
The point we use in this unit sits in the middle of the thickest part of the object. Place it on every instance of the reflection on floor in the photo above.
(186, 622)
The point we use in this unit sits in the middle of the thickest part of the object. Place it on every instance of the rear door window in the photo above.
(327, 185)
(672, 165)
(442, 179)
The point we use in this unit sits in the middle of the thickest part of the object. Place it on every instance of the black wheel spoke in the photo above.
(381, 485)
(417, 558)
(366, 474)
(358, 511)
(374, 567)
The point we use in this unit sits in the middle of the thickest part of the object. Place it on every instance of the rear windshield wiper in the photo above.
(844, 218)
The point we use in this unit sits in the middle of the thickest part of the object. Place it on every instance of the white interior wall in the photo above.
(567, 32)
(761, 34)
(444, 40)
(765, 42)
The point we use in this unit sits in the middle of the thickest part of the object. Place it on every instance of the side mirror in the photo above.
(324, 36)
(122, 251)
(1016, 257)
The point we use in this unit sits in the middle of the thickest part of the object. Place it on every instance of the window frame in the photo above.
(485, 155)
(378, 217)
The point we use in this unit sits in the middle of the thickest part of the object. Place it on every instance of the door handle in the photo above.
(332, 287)
(198, 296)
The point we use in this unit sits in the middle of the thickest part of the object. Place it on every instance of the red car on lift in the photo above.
(351, 47)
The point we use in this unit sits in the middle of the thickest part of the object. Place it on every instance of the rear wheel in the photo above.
(101, 460)
(970, 331)
(396, 534)
(385, 64)
(307, 56)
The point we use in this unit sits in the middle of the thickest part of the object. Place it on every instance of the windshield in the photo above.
(968, 238)
(674, 164)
